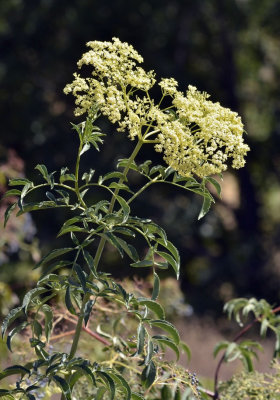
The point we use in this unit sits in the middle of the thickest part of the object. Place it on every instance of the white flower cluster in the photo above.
(202, 136)
(114, 69)
(196, 135)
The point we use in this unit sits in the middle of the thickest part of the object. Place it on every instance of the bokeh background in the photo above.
(230, 49)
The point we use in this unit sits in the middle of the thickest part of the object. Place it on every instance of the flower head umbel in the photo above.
(201, 136)
(196, 136)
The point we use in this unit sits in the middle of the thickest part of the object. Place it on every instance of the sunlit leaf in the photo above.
(8, 212)
(53, 254)
(62, 383)
(167, 327)
(205, 207)
(168, 342)
(13, 314)
(156, 287)
(153, 306)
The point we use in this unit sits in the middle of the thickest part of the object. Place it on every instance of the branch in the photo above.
(235, 339)
(74, 319)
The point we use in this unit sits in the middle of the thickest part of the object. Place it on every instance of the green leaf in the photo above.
(171, 248)
(111, 175)
(87, 176)
(148, 375)
(85, 148)
(64, 196)
(8, 212)
(166, 393)
(220, 346)
(145, 167)
(124, 231)
(37, 328)
(13, 314)
(36, 206)
(71, 228)
(43, 170)
(129, 249)
(88, 372)
(277, 343)
(12, 192)
(157, 168)
(19, 182)
(88, 308)
(178, 394)
(264, 326)
(48, 320)
(14, 370)
(51, 196)
(13, 332)
(168, 342)
(153, 306)
(174, 264)
(109, 383)
(232, 352)
(122, 382)
(68, 301)
(56, 265)
(90, 262)
(154, 228)
(125, 207)
(72, 221)
(114, 241)
(119, 186)
(53, 254)
(156, 286)
(24, 191)
(247, 361)
(143, 263)
(150, 352)
(81, 370)
(31, 295)
(123, 163)
(67, 177)
(64, 386)
(81, 276)
(167, 327)
(141, 333)
(215, 184)
(205, 207)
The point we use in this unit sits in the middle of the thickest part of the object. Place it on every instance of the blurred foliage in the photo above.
(18, 245)
(230, 49)
(253, 385)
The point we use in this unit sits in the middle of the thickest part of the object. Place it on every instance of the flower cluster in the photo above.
(196, 136)
(201, 135)
(115, 72)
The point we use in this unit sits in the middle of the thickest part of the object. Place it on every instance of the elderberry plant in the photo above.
(197, 138)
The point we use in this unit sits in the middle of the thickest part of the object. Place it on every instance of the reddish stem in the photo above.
(85, 329)
(235, 339)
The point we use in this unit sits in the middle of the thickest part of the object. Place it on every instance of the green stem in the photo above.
(142, 189)
(99, 251)
(77, 190)
(47, 184)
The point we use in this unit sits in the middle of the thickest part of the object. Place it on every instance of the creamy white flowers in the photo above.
(196, 136)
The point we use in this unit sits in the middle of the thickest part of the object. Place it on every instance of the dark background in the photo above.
(231, 49)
